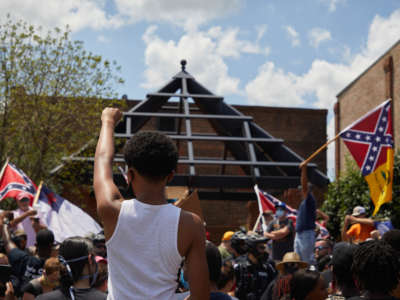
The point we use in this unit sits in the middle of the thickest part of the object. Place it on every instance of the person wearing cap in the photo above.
(280, 287)
(22, 218)
(225, 248)
(361, 226)
(281, 232)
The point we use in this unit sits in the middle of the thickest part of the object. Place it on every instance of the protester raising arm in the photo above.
(5, 233)
(108, 197)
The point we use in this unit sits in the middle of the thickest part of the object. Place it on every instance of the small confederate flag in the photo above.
(268, 202)
(15, 181)
(370, 141)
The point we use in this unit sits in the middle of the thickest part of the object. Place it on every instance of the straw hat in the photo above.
(291, 257)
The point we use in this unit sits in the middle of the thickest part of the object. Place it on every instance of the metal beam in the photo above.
(186, 95)
(177, 115)
(212, 162)
(214, 138)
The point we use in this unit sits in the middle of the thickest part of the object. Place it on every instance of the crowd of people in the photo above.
(153, 250)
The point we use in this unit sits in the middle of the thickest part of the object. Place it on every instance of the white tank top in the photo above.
(142, 253)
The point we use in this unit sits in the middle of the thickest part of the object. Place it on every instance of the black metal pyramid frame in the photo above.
(265, 160)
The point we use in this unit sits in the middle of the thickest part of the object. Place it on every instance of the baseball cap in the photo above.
(358, 210)
(44, 237)
(227, 236)
(280, 205)
(100, 259)
(23, 195)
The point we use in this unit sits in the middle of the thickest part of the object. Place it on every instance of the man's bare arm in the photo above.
(108, 197)
(5, 233)
(304, 180)
(345, 237)
(364, 221)
(196, 261)
(22, 217)
(278, 234)
(322, 215)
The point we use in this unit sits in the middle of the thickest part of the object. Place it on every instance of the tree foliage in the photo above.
(351, 189)
(50, 91)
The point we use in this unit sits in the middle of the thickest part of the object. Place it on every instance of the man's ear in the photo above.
(170, 176)
(130, 175)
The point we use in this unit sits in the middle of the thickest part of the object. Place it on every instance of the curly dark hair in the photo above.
(152, 154)
(302, 283)
(392, 237)
(376, 267)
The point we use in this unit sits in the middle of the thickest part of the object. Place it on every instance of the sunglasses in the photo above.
(319, 248)
(24, 200)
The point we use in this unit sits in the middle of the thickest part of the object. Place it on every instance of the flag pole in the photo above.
(4, 168)
(35, 200)
(319, 150)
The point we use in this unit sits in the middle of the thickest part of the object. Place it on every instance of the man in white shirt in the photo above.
(146, 238)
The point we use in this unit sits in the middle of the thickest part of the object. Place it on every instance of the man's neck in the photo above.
(152, 195)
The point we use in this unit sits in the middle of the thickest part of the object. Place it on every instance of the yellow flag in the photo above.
(380, 182)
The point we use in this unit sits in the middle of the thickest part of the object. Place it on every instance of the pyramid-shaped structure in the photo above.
(219, 146)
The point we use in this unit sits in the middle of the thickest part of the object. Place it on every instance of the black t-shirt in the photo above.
(282, 246)
(26, 267)
(80, 294)
(33, 287)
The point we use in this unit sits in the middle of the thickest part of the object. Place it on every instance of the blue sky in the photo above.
(273, 53)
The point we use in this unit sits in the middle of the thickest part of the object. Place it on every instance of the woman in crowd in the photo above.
(308, 285)
(45, 283)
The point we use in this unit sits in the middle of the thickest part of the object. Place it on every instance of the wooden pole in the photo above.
(4, 168)
(257, 222)
(37, 194)
(319, 150)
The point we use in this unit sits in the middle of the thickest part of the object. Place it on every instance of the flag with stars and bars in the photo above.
(14, 182)
(370, 141)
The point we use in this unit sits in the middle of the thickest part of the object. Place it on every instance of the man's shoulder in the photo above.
(53, 295)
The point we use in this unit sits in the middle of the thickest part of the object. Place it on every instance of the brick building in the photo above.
(375, 85)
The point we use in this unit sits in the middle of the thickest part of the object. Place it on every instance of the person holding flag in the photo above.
(281, 232)
(305, 223)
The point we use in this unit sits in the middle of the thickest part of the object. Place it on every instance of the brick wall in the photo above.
(366, 92)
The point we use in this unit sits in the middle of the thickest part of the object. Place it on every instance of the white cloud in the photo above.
(78, 14)
(326, 79)
(318, 35)
(333, 3)
(187, 13)
(261, 30)
(274, 87)
(293, 35)
(103, 39)
(205, 52)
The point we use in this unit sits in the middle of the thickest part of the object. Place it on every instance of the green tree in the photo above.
(351, 189)
(50, 95)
